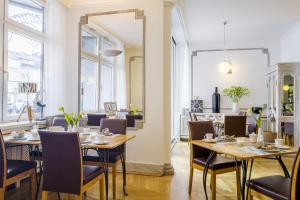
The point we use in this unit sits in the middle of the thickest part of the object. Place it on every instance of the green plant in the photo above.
(258, 120)
(134, 109)
(71, 117)
(235, 93)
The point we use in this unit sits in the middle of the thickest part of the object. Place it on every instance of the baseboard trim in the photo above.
(148, 169)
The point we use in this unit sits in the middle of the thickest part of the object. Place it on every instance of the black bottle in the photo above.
(216, 101)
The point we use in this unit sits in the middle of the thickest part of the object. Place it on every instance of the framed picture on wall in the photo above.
(197, 106)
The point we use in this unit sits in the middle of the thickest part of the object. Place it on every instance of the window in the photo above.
(24, 65)
(96, 72)
(106, 85)
(23, 47)
(27, 12)
(89, 85)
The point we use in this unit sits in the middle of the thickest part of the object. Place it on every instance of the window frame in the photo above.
(101, 61)
(25, 31)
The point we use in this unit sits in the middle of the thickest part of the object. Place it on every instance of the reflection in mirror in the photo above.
(288, 95)
(112, 65)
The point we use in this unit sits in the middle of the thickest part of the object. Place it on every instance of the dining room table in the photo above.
(245, 152)
(114, 141)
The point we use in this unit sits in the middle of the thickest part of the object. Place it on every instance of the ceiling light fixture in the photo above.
(225, 66)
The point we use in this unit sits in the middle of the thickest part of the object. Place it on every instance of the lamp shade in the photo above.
(111, 52)
(225, 67)
(286, 88)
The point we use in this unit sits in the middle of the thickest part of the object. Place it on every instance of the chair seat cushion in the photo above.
(15, 167)
(90, 172)
(219, 162)
(112, 158)
(276, 187)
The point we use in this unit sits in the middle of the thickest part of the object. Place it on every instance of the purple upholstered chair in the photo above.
(60, 121)
(95, 119)
(235, 125)
(63, 168)
(277, 187)
(116, 126)
(12, 171)
(288, 132)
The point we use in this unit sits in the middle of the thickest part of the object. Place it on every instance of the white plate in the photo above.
(84, 133)
(98, 142)
(284, 147)
(210, 141)
(23, 138)
(33, 139)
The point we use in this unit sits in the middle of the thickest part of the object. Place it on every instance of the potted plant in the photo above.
(72, 118)
(235, 93)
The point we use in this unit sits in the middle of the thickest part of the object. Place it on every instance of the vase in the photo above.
(69, 128)
(74, 128)
(216, 101)
(235, 107)
(260, 136)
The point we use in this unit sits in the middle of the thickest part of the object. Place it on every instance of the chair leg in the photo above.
(238, 183)
(44, 195)
(79, 197)
(2, 193)
(250, 196)
(101, 188)
(33, 185)
(191, 180)
(114, 177)
(214, 185)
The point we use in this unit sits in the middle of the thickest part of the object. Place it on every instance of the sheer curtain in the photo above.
(120, 94)
(55, 57)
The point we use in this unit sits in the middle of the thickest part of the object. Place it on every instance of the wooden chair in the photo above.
(199, 156)
(12, 171)
(235, 125)
(115, 126)
(277, 187)
(63, 168)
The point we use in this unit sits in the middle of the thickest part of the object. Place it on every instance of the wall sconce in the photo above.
(286, 88)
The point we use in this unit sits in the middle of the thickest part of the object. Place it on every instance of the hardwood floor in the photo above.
(170, 187)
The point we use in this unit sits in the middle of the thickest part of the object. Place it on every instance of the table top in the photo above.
(113, 141)
(243, 152)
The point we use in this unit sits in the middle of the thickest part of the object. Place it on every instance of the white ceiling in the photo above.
(71, 3)
(247, 19)
(123, 26)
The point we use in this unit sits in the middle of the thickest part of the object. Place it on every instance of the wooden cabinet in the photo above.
(283, 97)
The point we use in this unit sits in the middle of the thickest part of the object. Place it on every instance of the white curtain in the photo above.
(120, 94)
(55, 57)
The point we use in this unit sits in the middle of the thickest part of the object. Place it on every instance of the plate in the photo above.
(33, 139)
(98, 142)
(84, 133)
(210, 141)
(271, 150)
(23, 138)
(284, 147)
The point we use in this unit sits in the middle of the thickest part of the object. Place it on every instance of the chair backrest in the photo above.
(197, 132)
(288, 128)
(2, 161)
(95, 119)
(269, 136)
(295, 179)
(235, 125)
(252, 128)
(115, 126)
(60, 121)
(62, 162)
(131, 119)
(242, 113)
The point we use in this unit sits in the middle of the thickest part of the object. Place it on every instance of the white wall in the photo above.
(149, 146)
(290, 45)
(249, 70)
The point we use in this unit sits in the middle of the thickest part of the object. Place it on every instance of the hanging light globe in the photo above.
(225, 67)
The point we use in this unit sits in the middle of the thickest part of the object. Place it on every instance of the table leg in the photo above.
(244, 177)
(122, 156)
(285, 170)
(105, 155)
(205, 171)
(249, 178)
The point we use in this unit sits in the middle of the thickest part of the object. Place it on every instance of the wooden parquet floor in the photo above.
(141, 187)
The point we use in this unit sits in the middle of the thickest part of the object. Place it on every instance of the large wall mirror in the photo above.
(288, 95)
(112, 65)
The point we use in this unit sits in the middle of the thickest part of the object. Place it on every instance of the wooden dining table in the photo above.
(113, 142)
(245, 153)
